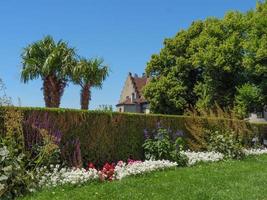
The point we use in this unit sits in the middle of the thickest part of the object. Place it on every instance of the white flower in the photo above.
(3, 177)
(195, 157)
(255, 151)
(4, 153)
(135, 168)
(62, 176)
(2, 187)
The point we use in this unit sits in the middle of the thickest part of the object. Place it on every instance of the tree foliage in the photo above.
(51, 61)
(248, 99)
(89, 73)
(206, 63)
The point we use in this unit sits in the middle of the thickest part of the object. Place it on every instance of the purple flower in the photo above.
(179, 133)
(57, 135)
(146, 135)
(158, 125)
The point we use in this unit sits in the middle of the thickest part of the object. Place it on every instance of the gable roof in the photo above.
(139, 83)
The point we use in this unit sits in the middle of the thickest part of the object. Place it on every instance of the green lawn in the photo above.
(245, 179)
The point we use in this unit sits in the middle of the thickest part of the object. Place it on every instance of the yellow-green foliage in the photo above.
(217, 118)
(12, 125)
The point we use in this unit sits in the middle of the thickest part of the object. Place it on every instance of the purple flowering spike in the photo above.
(146, 135)
(158, 124)
(179, 133)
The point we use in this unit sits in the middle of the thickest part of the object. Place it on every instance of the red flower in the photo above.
(90, 166)
(108, 171)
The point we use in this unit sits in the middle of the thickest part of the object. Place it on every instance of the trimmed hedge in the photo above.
(103, 136)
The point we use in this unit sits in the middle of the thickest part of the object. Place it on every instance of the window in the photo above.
(133, 97)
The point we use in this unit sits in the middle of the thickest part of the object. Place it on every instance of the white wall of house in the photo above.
(131, 108)
(120, 108)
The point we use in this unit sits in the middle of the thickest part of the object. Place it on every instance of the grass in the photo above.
(246, 179)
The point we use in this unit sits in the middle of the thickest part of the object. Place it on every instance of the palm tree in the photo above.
(89, 73)
(51, 61)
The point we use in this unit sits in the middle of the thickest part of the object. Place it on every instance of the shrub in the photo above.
(225, 142)
(160, 146)
(249, 98)
(18, 166)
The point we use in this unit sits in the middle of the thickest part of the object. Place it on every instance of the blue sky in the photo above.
(124, 32)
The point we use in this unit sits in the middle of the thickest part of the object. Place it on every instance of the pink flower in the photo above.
(130, 161)
(120, 163)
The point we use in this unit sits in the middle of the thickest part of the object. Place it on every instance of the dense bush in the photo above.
(101, 137)
(225, 142)
(17, 163)
(249, 98)
(163, 144)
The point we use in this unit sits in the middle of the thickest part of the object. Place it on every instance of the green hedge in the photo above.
(103, 136)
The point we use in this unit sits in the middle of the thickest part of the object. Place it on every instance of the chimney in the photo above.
(135, 76)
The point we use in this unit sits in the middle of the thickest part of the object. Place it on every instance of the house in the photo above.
(131, 99)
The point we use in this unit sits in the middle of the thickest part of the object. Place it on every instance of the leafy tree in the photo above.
(172, 74)
(249, 99)
(206, 63)
(218, 54)
(255, 48)
(89, 73)
(51, 61)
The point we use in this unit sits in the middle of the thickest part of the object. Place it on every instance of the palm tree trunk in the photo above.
(85, 97)
(46, 92)
(53, 91)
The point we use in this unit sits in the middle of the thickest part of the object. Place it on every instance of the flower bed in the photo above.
(57, 176)
(255, 151)
(195, 157)
(75, 176)
(138, 167)
(60, 176)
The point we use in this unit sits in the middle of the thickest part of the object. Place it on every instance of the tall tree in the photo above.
(255, 48)
(51, 61)
(206, 63)
(89, 73)
(173, 76)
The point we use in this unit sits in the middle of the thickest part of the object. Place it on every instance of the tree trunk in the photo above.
(85, 97)
(46, 92)
(53, 90)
